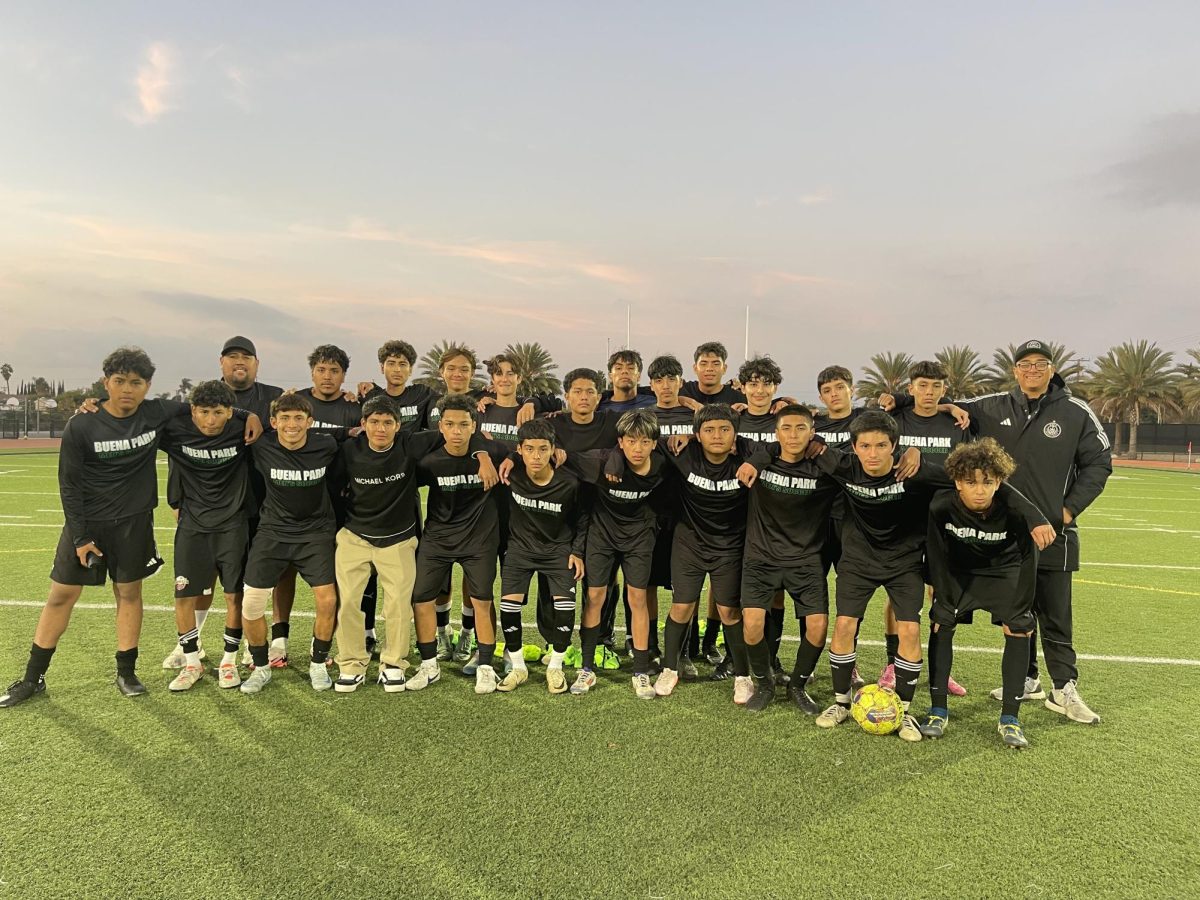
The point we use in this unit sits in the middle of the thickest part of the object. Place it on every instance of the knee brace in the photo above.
(254, 603)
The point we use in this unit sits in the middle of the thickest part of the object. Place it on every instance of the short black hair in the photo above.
(795, 409)
(761, 368)
(457, 403)
(127, 361)
(874, 420)
(834, 373)
(210, 394)
(665, 367)
(398, 349)
(638, 423)
(626, 356)
(927, 368)
(329, 353)
(455, 350)
(712, 412)
(380, 405)
(537, 430)
(583, 375)
(291, 403)
(711, 347)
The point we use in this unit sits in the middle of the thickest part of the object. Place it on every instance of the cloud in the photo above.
(816, 198)
(1166, 170)
(154, 84)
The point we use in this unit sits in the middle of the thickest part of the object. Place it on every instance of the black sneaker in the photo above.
(782, 678)
(130, 685)
(723, 670)
(20, 691)
(804, 703)
(761, 698)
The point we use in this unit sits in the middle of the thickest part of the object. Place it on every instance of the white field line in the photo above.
(1140, 566)
(217, 611)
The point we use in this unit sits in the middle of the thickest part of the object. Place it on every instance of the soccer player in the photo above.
(461, 526)
(760, 379)
(208, 454)
(786, 529)
(547, 535)
(982, 556)
(709, 364)
(412, 401)
(296, 530)
(109, 488)
(499, 419)
(624, 373)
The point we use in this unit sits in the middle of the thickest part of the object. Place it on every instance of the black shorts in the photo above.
(995, 593)
(269, 558)
(202, 556)
(519, 570)
(688, 570)
(806, 583)
(634, 559)
(660, 562)
(128, 547)
(832, 551)
(435, 568)
(906, 591)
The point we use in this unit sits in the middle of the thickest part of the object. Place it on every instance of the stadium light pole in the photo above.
(746, 346)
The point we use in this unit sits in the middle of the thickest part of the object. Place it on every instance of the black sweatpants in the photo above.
(1052, 606)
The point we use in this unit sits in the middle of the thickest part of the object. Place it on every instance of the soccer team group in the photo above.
(624, 490)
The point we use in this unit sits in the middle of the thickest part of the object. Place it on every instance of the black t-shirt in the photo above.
(333, 417)
(106, 465)
(728, 394)
(621, 511)
(935, 436)
(297, 507)
(790, 505)
(712, 500)
(501, 423)
(757, 428)
(460, 516)
(210, 476)
(598, 434)
(545, 520)
(412, 405)
(257, 399)
(674, 420)
(836, 432)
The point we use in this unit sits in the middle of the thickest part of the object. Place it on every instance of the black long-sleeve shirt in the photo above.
(210, 476)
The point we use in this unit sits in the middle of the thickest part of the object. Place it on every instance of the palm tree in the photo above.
(887, 374)
(1067, 363)
(536, 367)
(1189, 382)
(6, 371)
(185, 389)
(965, 371)
(1132, 378)
(431, 364)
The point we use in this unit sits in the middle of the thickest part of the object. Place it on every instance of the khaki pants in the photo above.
(397, 570)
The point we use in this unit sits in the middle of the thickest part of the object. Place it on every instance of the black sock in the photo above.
(673, 635)
(641, 662)
(468, 618)
(735, 644)
(564, 623)
(259, 655)
(1012, 671)
(1032, 670)
(280, 630)
(941, 654)
(760, 661)
(510, 625)
(370, 602)
(857, 629)
(427, 649)
(589, 637)
(908, 673)
(320, 649)
(806, 661)
(652, 647)
(803, 627)
(233, 639)
(127, 661)
(712, 628)
(841, 667)
(892, 641)
(190, 641)
(443, 615)
(39, 662)
(693, 637)
(775, 630)
(487, 654)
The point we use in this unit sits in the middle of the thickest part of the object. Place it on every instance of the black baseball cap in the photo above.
(237, 342)
(1031, 347)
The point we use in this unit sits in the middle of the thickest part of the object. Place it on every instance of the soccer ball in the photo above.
(877, 709)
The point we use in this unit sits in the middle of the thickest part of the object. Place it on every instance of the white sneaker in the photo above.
(485, 680)
(909, 729)
(743, 689)
(277, 653)
(348, 684)
(1067, 702)
(445, 649)
(1033, 690)
(556, 680)
(228, 675)
(318, 676)
(833, 716)
(642, 687)
(177, 659)
(428, 672)
(392, 678)
(585, 680)
(513, 679)
(187, 677)
(258, 679)
(665, 683)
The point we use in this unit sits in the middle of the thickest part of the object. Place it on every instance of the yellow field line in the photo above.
(1137, 587)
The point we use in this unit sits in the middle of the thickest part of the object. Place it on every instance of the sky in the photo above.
(863, 177)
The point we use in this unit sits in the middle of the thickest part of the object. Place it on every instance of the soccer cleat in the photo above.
(556, 680)
(763, 694)
(803, 701)
(427, 673)
(712, 655)
(723, 671)
(471, 666)
(485, 680)
(782, 678)
(130, 685)
(835, 715)
(1013, 736)
(656, 665)
(585, 680)
(247, 658)
(933, 726)
(856, 680)
(277, 653)
(463, 646)
(665, 683)
(257, 680)
(187, 677)
(392, 678)
(955, 688)
(909, 729)
(743, 689)
(1067, 702)
(228, 676)
(444, 648)
(546, 654)
(177, 659)
(20, 691)
(642, 687)
(372, 647)
(348, 684)
(318, 676)
(513, 680)
(687, 669)
(1033, 691)
(887, 678)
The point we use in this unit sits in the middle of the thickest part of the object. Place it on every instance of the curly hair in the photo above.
(984, 455)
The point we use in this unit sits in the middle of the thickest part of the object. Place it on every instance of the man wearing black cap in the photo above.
(1063, 461)
(239, 370)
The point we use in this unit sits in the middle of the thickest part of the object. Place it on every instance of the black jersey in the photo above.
(598, 434)
(257, 399)
(333, 417)
(106, 465)
(788, 517)
(712, 501)
(935, 436)
(545, 520)
(728, 394)
(836, 432)
(412, 405)
(757, 428)
(210, 476)
(297, 506)
(460, 516)
(501, 423)
(621, 510)
(674, 420)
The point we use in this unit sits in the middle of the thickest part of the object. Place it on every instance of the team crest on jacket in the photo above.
(1052, 430)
